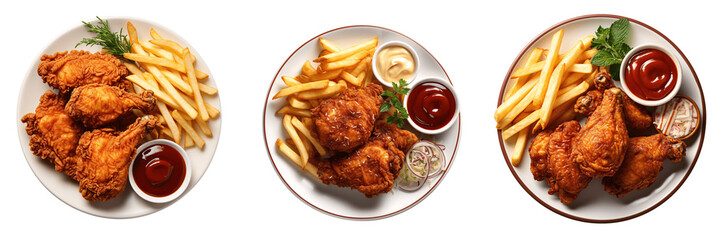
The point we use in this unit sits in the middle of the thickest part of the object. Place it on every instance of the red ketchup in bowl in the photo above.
(651, 74)
(431, 105)
(159, 170)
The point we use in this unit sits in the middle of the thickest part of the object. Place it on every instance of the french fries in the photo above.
(335, 70)
(167, 68)
(544, 91)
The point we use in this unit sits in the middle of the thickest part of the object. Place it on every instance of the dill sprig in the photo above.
(115, 43)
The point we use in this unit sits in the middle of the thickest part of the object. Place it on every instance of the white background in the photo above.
(244, 44)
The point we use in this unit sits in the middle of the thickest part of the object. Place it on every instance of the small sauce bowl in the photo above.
(160, 171)
(624, 78)
(424, 96)
(374, 62)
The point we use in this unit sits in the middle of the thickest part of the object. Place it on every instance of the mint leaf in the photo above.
(619, 31)
(615, 70)
(604, 58)
(390, 99)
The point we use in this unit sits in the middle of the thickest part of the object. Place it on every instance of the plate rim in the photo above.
(382, 216)
(655, 205)
(21, 128)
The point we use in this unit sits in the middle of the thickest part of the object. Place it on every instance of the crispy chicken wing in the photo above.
(346, 121)
(97, 105)
(67, 70)
(538, 151)
(643, 161)
(564, 175)
(53, 134)
(601, 144)
(372, 168)
(104, 156)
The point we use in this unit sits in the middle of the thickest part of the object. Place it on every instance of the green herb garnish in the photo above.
(115, 43)
(390, 99)
(611, 45)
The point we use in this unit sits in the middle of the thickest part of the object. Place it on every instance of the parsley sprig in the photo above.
(611, 45)
(115, 43)
(390, 99)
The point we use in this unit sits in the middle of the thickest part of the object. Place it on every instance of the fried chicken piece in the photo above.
(637, 117)
(67, 70)
(603, 80)
(97, 105)
(53, 134)
(104, 156)
(372, 168)
(601, 144)
(346, 121)
(402, 139)
(643, 161)
(564, 176)
(538, 151)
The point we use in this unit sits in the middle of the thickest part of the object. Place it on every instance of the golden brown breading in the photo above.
(97, 105)
(68, 70)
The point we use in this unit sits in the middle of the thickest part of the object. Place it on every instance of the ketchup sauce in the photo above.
(431, 105)
(651, 74)
(159, 170)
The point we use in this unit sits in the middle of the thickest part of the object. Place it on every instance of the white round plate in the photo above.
(331, 199)
(128, 204)
(594, 204)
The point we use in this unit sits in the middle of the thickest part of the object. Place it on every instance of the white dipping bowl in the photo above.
(650, 103)
(455, 112)
(399, 44)
(180, 190)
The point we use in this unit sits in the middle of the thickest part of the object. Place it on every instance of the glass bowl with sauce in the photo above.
(650, 75)
(432, 105)
(393, 61)
(160, 171)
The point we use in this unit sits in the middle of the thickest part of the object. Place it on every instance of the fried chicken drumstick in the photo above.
(97, 105)
(601, 144)
(68, 70)
(644, 160)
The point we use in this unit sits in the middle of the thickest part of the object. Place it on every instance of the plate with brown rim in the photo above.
(594, 204)
(330, 199)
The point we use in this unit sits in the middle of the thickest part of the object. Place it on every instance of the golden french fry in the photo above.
(177, 81)
(294, 102)
(171, 46)
(363, 47)
(133, 69)
(296, 140)
(189, 129)
(174, 130)
(581, 68)
(351, 79)
(323, 93)
(155, 61)
(290, 81)
(154, 34)
(514, 99)
(548, 67)
(519, 148)
(203, 125)
(188, 141)
(293, 111)
(330, 75)
(303, 130)
(154, 49)
(308, 69)
(520, 81)
(550, 97)
(194, 85)
(327, 45)
(285, 149)
(300, 88)
(150, 79)
(343, 63)
(518, 108)
(171, 90)
(132, 33)
(207, 89)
